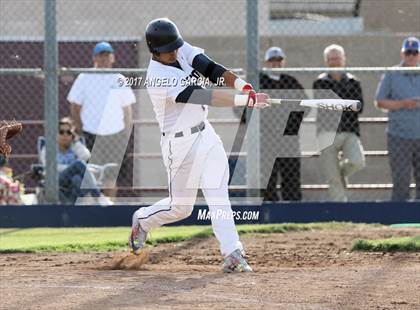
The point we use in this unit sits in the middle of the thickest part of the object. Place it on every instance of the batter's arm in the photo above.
(229, 78)
(212, 97)
(75, 110)
(219, 74)
(221, 98)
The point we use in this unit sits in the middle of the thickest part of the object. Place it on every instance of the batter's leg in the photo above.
(177, 206)
(214, 184)
(183, 180)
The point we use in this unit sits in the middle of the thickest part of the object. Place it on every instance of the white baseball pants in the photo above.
(194, 161)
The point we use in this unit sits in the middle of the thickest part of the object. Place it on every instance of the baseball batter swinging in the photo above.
(193, 153)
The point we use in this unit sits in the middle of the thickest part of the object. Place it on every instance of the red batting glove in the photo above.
(251, 95)
(257, 100)
(247, 88)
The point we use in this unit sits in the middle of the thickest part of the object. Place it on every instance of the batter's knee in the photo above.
(136, 215)
(182, 211)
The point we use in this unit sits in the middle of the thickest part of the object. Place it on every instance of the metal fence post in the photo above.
(50, 100)
(252, 71)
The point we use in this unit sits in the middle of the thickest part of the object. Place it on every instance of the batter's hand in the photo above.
(257, 100)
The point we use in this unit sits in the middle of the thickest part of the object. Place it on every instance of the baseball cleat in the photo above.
(235, 262)
(137, 239)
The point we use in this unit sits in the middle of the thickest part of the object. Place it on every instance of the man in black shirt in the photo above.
(284, 142)
(347, 142)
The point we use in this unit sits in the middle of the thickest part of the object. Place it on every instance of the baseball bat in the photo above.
(327, 104)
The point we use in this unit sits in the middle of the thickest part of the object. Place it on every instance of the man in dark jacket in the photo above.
(274, 137)
(347, 141)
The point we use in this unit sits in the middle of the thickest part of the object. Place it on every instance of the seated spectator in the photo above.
(345, 156)
(10, 190)
(399, 94)
(72, 155)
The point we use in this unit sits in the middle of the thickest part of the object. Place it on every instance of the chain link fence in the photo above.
(236, 34)
(355, 166)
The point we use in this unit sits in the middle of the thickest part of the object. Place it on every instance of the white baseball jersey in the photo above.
(165, 83)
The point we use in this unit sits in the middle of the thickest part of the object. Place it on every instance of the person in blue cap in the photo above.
(100, 105)
(102, 47)
(398, 93)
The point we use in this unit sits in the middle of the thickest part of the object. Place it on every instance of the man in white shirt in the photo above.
(192, 152)
(100, 106)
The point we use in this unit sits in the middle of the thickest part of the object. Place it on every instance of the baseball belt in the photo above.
(193, 130)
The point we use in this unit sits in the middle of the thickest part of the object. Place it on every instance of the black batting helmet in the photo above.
(162, 36)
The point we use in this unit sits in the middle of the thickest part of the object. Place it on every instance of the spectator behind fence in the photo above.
(72, 155)
(399, 94)
(287, 167)
(345, 156)
(11, 191)
(101, 108)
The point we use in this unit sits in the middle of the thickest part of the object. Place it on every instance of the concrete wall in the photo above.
(124, 18)
(400, 16)
(195, 17)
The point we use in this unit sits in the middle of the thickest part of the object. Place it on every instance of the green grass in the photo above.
(408, 225)
(86, 239)
(115, 238)
(404, 244)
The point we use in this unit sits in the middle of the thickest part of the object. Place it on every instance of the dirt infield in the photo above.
(299, 270)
